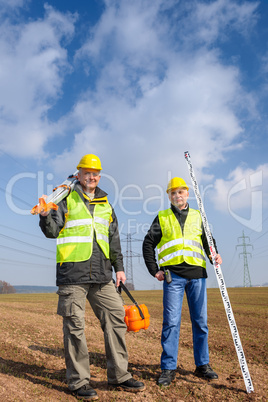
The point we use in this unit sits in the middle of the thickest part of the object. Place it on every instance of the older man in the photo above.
(88, 245)
(178, 234)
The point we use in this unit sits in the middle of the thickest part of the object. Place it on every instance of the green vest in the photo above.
(75, 241)
(175, 247)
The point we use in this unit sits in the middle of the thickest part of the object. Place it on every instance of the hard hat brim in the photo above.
(172, 188)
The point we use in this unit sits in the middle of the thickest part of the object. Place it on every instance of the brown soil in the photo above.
(32, 364)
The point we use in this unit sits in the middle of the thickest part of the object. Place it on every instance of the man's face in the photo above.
(89, 179)
(178, 197)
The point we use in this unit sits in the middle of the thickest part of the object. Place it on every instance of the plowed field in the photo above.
(32, 364)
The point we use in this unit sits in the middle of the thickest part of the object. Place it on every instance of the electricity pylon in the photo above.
(247, 280)
(129, 254)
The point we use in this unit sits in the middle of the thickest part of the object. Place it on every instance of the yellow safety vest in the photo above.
(75, 241)
(175, 247)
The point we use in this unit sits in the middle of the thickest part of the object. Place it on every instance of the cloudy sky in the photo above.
(137, 83)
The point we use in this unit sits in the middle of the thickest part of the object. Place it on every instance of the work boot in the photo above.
(130, 385)
(166, 377)
(86, 392)
(206, 371)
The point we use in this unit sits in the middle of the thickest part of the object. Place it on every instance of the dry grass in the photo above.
(32, 360)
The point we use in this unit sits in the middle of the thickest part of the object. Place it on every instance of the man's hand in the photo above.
(160, 276)
(43, 208)
(120, 276)
(44, 211)
(218, 259)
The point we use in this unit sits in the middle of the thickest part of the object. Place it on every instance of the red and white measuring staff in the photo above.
(221, 283)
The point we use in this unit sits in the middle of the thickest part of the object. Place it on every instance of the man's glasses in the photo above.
(92, 174)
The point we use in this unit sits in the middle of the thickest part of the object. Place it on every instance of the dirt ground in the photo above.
(32, 364)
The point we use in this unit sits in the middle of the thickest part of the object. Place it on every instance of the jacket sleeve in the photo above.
(206, 245)
(116, 256)
(52, 224)
(150, 242)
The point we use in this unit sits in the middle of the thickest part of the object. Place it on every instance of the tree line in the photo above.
(6, 288)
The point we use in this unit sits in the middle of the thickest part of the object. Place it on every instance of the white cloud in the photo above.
(129, 42)
(243, 189)
(215, 20)
(191, 109)
(12, 5)
(154, 97)
(149, 116)
(33, 65)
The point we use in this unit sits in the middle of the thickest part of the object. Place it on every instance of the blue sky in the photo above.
(136, 83)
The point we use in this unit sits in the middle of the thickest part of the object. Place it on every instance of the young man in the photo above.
(178, 234)
(88, 245)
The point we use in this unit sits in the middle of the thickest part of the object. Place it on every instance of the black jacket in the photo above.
(154, 236)
(98, 269)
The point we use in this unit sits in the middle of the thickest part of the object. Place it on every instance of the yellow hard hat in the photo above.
(90, 161)
(175, 183)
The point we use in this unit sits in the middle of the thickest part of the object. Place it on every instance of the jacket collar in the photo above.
(99, 193)
(100, 196)
(179, 211)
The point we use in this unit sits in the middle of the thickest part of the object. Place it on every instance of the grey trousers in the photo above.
(108, 308)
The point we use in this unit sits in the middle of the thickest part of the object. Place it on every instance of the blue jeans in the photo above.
(197, 302)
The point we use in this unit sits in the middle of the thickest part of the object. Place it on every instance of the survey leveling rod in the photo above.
(221, 283)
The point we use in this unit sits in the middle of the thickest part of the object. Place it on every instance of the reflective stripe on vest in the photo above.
(78, 222)
(175, 247)
(75, 241)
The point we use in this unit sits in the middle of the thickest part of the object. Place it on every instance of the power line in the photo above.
(261, 252)
(261, 236)
(230, 269)
(21, 231)
(23, 263)
(253, 230)
(14, 196)
(27, 252)
(17, 161)
(28, 244)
